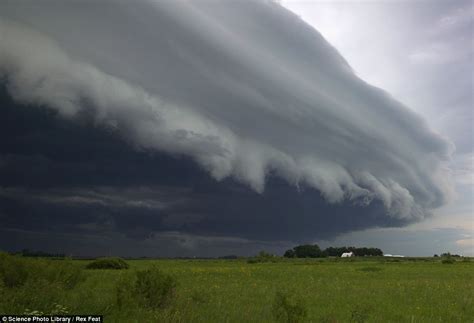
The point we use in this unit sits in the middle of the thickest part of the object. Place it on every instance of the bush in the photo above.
(448, 260)
(154, 288)
(263, 257)
(36, 285)
(13, 271)
(124, 293)
(65, 273)
(108, 263)
(288, 308)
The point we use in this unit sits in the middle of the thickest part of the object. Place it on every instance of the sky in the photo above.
(422, 53)
(207, 128)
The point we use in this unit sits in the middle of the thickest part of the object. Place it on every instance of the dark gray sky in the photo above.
(208, 128)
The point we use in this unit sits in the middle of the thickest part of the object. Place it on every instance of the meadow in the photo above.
(365, 289)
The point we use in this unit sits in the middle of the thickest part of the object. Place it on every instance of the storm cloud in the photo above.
(231, 118)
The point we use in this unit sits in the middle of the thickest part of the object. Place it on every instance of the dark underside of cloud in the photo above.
(70, 177)
(172, 126)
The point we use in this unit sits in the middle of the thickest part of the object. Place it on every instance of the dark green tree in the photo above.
(290, 253)
(308, 251)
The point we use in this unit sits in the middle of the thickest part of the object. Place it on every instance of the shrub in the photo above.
(13, 270)
(108, 263)
(263, 257)
(154, 288)
(288, 308)
(448, 260)
(124, 292)
(36, 284)
(391, 260)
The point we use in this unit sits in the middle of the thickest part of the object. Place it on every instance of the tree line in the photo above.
(313, 251)
(33, 253)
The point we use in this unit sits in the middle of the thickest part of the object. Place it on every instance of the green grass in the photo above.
(328, 290)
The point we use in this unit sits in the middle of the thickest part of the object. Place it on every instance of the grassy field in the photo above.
(308, 290)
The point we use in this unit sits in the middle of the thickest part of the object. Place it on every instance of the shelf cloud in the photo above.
(245, 89)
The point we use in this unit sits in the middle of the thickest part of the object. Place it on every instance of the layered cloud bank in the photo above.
(244, 88)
